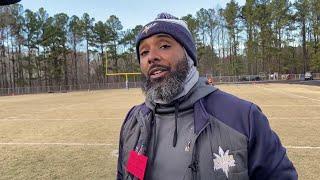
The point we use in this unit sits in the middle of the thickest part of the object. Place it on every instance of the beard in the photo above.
(166, 88)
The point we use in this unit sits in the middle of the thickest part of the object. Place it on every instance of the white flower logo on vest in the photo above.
(223, 161)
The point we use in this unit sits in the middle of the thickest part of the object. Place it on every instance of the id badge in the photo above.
(137, 164)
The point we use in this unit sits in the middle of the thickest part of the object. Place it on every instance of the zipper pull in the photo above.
(187, 148)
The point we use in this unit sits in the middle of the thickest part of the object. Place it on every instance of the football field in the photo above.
(75, 135)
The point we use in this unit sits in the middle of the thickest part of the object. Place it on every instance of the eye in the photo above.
(143, 53)
(165, 46)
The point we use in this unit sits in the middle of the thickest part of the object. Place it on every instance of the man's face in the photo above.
(159, 56)
(164, 66)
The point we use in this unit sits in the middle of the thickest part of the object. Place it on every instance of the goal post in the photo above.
(126, 74)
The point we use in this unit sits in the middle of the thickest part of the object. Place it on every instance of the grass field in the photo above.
(75, 135)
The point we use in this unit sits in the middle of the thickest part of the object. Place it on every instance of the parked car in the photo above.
(250, 78)
(263, 76)
(244, 78)
(308, 76)
(255, 78)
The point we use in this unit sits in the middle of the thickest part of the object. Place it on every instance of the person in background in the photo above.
(210, 81)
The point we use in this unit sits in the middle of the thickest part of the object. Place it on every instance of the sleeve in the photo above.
(267, 158)
(120, 170)
(119, 166)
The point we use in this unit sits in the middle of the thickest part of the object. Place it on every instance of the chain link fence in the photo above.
(260, 78)
(137, 84)
(63, 89)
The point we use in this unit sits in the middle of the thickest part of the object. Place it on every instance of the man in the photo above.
(187, 129)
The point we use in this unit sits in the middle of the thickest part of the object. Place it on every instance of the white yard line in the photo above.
(302, 147)
(300, 118)
(36, 119)
(58, 144)
(289, 94)
(10, 119)
(284, 105)
(64, 107)
(108, 144)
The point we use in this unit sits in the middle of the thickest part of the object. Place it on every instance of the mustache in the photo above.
(159, 66)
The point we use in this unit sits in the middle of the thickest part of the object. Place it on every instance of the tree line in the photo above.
(262, 36)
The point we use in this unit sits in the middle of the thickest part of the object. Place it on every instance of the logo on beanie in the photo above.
(147, 27)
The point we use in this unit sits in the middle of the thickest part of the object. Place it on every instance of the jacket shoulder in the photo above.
(267, 157)
(231, 110)
(134, 109)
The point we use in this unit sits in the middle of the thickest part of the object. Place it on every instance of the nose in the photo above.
(153, 56)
